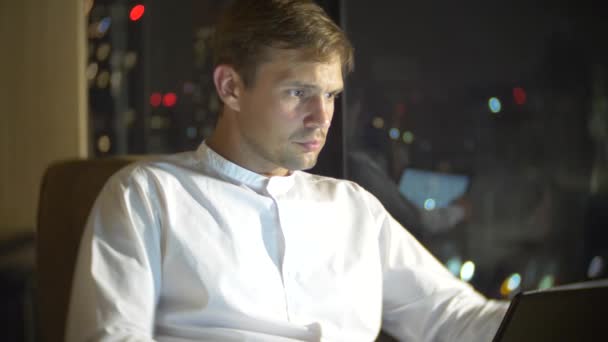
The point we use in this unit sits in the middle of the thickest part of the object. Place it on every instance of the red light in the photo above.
(519, 94)
(400, 109)
(169, 100)
(137, 12)
(156, 99)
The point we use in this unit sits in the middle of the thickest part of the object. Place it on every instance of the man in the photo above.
(232, 242)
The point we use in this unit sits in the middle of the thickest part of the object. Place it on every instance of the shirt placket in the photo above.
(283, 240)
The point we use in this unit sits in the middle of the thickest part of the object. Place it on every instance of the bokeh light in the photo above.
(378, 122)
(169, 99)
(510, 284)
(103, 79)
(104, 144)
(596, 267)
(430, 204)
(92, 71)
(454, 265)
(408, 137)
(546, 282)
(191, 132)
(137, 12)
(130, 59)
(467, 271)
(103, 51)
(519, 95)
(156, 99)
(104, 25)
(495, 105)
(394, 133)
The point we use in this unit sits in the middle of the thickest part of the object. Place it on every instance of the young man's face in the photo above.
(286, 112)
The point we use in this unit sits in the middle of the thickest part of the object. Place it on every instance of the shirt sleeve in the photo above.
(422, 300)
(117, 276)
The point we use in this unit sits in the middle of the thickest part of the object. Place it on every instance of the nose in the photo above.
(319, 113)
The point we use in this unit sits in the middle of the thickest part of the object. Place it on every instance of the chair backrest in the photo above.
(67, 193)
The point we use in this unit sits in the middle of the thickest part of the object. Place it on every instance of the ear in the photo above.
(228, 85)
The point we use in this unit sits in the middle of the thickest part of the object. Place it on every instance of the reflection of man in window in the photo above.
(233, 242)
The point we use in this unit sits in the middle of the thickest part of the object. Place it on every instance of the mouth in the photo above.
(310, 145)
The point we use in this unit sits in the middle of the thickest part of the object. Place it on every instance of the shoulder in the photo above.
(152, 173)
(336, 188)
(324, 183)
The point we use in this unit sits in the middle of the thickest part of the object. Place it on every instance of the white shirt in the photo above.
(196, 248)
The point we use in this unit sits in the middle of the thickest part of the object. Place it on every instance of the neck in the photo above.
(230, 145)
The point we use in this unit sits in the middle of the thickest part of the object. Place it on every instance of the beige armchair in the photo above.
(67, 193)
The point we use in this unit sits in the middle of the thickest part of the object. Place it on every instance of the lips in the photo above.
(311, 145)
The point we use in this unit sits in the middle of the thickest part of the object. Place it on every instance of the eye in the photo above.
(296, 92)
(332, 96)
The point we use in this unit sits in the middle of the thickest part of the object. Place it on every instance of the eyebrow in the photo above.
(299, 84)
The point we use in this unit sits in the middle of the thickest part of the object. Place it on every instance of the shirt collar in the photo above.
(275, 185)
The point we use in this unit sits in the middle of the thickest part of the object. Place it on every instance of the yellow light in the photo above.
(103, 51)
(510, 284)
(378, 122)
(104, 144)
(130, 59)
(92, 71)
(103, 79)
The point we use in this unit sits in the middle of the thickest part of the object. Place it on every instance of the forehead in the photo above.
(284, 66)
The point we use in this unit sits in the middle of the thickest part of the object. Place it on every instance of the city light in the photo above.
(92, 71)
(103, 51)
(130, 59)
(104, 144)
(510, 284)
(596, 267)
(116, 81)
(408, 137)
(495, 105)
(394, 133)
(156, 99)
(104, 25)
(191, 132)
(103, 79)
(378, 122)
(546, 282)
(519, 95)
(467, 271)
(454, 265)
(429, 204)
(136, 12)
(169, 100)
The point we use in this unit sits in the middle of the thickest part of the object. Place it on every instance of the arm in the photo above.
(423, 301)
(117, 276)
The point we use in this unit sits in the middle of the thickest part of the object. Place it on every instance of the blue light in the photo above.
(595, 267)
(104, 25)
(495, 105)
(430, 204)
(454, 265)
(191, 132)
(394, 133)
(514, 282)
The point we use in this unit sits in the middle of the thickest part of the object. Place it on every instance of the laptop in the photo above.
(431, 189)
(576, 312)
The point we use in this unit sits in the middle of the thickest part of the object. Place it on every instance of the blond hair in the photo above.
(248, 29)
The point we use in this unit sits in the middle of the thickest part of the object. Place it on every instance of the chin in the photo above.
(303, 163)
